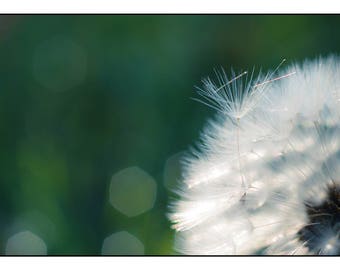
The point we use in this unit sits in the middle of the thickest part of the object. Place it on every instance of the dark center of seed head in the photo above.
(322, 219)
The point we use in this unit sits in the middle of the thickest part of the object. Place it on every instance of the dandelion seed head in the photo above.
(266, 176)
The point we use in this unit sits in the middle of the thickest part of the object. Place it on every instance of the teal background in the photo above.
(83, 97)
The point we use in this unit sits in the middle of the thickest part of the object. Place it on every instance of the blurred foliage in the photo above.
(84, 97)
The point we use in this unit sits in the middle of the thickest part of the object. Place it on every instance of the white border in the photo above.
(170, 6)
(169, 263)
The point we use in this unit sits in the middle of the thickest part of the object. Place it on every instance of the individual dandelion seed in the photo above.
(266, 177)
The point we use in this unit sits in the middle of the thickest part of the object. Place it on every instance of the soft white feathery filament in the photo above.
(266, 179)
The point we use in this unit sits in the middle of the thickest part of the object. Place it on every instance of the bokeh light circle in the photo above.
(172, 171)
(59, 64)
(25, 243)
(132, 191)
(122, 243)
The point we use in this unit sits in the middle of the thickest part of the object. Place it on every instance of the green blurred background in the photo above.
(95, 112)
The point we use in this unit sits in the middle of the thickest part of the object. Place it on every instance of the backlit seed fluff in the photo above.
(266, 176)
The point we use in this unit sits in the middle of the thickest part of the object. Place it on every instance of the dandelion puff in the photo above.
(266, 176)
